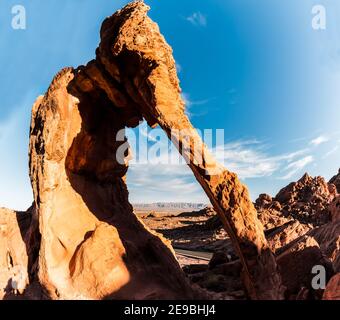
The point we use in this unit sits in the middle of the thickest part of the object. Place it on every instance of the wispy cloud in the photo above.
(162, 177)
(161, 182)
(178, 67)
(330, 152)
(164, 181)
(197, 19)
(189, 103)
(297, 166)
(251, 159)
(319, 140)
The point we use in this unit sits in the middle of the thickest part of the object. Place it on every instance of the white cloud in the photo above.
(175, 182)
(249, 159)
(197, 19)
(149, 183)
(296, 166)
(319, 140)
(186, 99)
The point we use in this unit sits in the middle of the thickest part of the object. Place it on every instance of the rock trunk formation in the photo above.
(92, 245)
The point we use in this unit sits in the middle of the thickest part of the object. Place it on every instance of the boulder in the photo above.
(296, 262)
(219, 257)
(286, 234)
(271, 218)
(263, 201)
(206, 212)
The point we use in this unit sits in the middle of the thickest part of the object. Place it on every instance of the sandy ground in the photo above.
(187, 232)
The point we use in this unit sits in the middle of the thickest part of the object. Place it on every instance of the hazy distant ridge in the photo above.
(160, 206)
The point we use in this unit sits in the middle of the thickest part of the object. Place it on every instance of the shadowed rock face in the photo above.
(92, 245)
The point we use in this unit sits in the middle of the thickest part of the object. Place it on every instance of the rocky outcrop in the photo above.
(313, 208)
(266, 202)
(307, 200)
(269, 212)
(300, 240)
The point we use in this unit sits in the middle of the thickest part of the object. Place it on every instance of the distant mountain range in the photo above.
(169, 206)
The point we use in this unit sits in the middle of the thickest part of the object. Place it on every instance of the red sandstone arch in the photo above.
(92, 244)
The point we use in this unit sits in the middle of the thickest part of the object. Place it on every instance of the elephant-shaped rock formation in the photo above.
(92, 245)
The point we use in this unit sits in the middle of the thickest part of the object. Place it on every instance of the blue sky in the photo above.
(256, 69)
